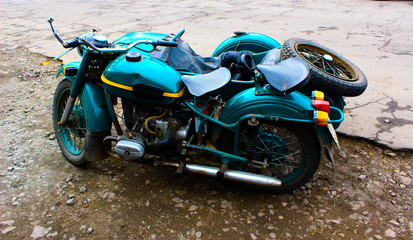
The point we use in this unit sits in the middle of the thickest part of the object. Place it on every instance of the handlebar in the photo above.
(79, 41)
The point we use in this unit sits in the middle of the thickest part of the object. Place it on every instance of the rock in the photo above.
(225, 229)
(71, 202)
(82, 189)
(193, 208)
(89, 230)
(10, 169)
(335, 221)
(52, 137)
(39, 232)
(8, 229)
(179, 205)
(378, 237)
(225, 204)
(311, 229)
(405, 180)
(71, 195)
(362, 177)
(261, 214)
(342, 154)
(253, 236)
(198, 234)
(272, 235)
(394, 222)
(283, 204)
(368, 231)
(411, 226)
(390, 233)
(68, 180)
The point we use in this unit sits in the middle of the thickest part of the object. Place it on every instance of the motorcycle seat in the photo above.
(201, 84)
(286, 76)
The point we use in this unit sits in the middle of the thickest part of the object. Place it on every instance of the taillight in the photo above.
(317, 95)
(321, 105)
(321, 118)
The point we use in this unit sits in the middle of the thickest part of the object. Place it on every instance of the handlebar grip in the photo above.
(167, 44)
(74, 43)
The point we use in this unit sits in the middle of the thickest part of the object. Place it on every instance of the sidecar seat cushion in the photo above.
(272, 57)
(287, 76)
(201, 84)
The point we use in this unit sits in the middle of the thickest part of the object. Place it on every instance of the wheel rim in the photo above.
(281, 150)
(73, 133)
(326, 62)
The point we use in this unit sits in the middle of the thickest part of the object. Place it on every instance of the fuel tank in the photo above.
(142, 78)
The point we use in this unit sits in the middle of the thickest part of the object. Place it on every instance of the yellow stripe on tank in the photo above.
(129, 88)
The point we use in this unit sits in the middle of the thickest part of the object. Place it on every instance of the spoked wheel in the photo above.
(71, 136)
(290, 153)
(329, 71)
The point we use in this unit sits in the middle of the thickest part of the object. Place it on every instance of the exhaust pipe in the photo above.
(232, 175)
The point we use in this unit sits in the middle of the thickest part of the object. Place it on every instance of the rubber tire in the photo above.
(93, 141)
(324, 81)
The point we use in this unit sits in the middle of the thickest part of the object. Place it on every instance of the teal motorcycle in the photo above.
(222, 116)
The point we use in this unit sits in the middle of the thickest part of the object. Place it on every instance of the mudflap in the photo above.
(95, 149)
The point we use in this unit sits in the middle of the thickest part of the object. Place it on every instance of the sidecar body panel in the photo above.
(256, 43)
(94, 103)
(148, 80)
(294, 106)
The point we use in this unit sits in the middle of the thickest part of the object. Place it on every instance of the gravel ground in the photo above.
(44, 197)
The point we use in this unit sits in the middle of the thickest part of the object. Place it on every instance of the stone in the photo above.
(261, 214)
(225, 204)
(198, 234)
(52, 137)
(272, 235)
(89, 230)
(390, 233)
(225, 229)
(10, 169)
(193, 208)
(405, 180)
(71, 202)
(342, 154)
(179, 205)
(8, 229)
(311, 229)
(378, 237)
(411, 226)
(336, 221)
(82, 189)
(362, 177)
(253, 236)
(394, 222)
(39, 232)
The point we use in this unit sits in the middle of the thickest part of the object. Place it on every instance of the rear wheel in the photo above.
(288, 152)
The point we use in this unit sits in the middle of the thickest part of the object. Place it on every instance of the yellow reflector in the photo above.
(321, 118)
(317, 95)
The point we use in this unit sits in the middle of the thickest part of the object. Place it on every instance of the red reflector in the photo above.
(321, 105)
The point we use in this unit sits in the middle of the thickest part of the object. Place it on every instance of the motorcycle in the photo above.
(222, 116)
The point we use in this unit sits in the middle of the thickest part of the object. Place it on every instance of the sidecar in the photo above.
(351, 82)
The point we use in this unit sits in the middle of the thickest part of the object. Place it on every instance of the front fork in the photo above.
(78, 84)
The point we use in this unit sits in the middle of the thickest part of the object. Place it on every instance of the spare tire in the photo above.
(329, 71)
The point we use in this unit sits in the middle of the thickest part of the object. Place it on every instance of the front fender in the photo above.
(94, 103)
(291, 107)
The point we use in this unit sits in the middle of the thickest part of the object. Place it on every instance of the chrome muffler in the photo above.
(231, 175)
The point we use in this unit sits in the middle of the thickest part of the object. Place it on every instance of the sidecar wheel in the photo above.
(75, 141)
(330, 72)
(292, 152)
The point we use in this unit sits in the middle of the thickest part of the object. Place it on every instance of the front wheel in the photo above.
(286, 151)
(76, 142)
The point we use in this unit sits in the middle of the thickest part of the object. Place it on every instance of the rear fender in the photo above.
(94, 103)
(294, 107)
